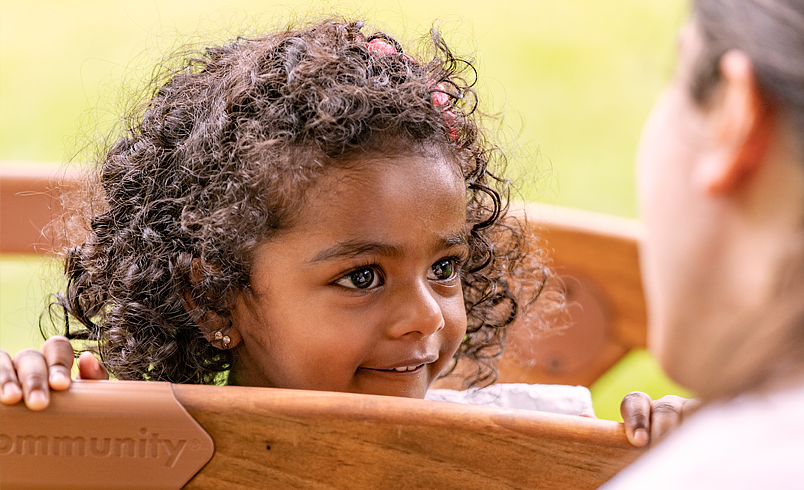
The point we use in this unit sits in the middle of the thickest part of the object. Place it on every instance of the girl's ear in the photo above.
(216, 328)
(740, 128)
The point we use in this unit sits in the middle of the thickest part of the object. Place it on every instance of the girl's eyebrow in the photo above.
(355, 248)
(456, 240)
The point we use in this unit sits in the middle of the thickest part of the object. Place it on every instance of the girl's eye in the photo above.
(360, 279)
(443, 270)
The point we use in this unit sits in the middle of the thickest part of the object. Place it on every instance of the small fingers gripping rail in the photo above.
(105, 434)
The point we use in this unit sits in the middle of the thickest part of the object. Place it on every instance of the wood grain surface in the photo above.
(269, 438)
(596, 257)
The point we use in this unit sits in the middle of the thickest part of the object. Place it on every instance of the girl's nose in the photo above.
(418, 313)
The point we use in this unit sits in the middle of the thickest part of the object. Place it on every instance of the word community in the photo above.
(145, 446)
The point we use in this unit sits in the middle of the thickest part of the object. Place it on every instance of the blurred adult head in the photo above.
(721, 174)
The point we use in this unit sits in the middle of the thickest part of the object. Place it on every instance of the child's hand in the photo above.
(649, 420)
(32, 374)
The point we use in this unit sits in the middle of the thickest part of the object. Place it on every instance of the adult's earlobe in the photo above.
(741, 125)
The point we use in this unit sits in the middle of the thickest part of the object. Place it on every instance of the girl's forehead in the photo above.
(400, 166)
(373, 184)
(410, 205)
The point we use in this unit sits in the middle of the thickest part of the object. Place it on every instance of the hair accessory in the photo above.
(439, 96)
(441, 99)
(381, 46)
(223, 339)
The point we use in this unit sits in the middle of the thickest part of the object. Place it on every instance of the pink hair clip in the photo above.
(439, 96)
(441, 99)
(379, 46)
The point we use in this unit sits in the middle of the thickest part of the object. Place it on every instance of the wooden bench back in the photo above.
(315, 439)
(596, 258)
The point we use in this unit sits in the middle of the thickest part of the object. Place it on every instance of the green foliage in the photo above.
(24, 288)
(573, 81)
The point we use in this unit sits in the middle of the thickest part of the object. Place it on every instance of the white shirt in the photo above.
(753, 442)
(568, 400)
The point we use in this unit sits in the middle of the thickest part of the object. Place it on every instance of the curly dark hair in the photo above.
(217, 160)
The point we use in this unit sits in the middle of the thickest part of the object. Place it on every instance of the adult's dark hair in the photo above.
(217, 160)
(771, 34)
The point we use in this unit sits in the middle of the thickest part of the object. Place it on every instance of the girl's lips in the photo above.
(401, 369)
(409, 366)
(412, 364)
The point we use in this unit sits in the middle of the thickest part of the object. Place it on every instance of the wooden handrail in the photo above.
(274, 438)
(360, 441)
(29, 201)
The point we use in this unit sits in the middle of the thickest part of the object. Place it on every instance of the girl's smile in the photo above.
(363, 293)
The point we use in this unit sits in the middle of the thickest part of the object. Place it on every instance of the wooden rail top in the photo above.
(29, 201)
(273, 438)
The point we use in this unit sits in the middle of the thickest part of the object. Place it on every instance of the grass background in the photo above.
(572, 81)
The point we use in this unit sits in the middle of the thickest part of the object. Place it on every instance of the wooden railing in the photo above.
(129, 434)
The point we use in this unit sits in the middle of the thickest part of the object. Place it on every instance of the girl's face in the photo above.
(363, 294)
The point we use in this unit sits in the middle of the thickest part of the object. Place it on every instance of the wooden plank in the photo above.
(302, 439)
(30, 201)
(597, 259)
(604, 249)
(275, 438)
(101, 435)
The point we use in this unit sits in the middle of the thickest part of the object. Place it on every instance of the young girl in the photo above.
(313, 209)
(722, 190)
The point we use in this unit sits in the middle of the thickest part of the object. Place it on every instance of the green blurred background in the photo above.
(573, 81)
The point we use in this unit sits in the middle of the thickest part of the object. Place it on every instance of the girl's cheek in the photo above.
(458, 322)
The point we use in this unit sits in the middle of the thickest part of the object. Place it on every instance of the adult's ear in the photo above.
(216, 328)
(740, 125)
